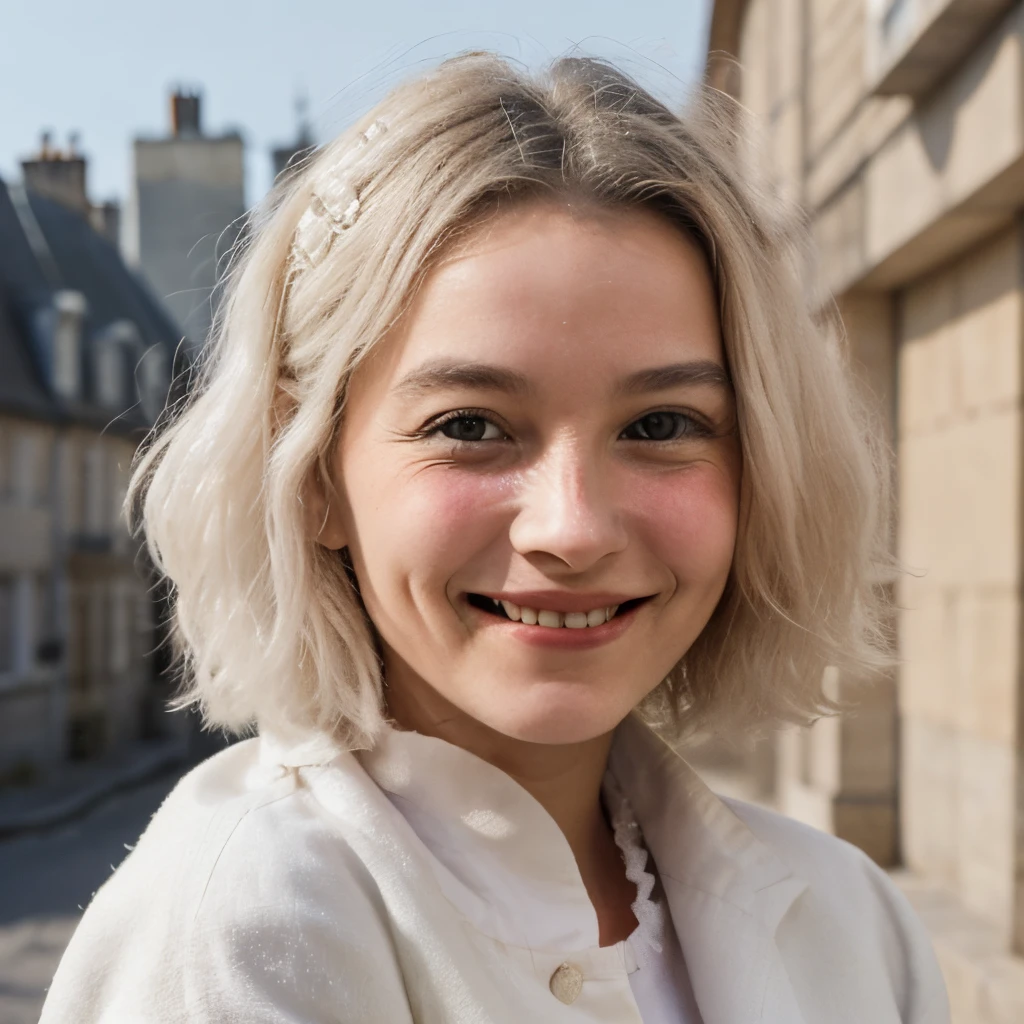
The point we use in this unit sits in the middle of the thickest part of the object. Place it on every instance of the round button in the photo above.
(567, 983)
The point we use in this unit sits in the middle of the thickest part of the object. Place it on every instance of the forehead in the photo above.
(550, 289)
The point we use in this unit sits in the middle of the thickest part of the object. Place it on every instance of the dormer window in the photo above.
(154, 381)
(109, 375)
(116, 351)
(69, 309)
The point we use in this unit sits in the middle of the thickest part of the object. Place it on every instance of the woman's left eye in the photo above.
(664, 426)
(470, 428)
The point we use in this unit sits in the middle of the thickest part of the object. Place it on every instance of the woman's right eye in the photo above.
(470, 428)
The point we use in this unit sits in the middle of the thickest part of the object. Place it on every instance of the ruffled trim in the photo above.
(650, 914)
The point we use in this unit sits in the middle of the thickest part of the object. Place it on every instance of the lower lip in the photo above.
(561, 636)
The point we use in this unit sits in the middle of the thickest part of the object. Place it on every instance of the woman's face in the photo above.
(547, 439)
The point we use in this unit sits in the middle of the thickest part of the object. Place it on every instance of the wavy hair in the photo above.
(269, 624)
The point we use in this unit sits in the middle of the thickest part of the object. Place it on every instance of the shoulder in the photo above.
(852, 904)
(239, 889)
(831, 866)
(809, 851)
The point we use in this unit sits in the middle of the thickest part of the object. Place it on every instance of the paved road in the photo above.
(46, 880)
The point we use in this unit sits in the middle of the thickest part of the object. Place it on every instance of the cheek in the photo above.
(427, 520)
(689, 520)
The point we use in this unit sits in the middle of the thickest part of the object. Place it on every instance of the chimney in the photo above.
(185, 114)
(56, 175)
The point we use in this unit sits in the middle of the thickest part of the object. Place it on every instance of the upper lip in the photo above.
(561, 600)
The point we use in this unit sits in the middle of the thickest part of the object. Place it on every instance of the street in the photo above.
(45, 881)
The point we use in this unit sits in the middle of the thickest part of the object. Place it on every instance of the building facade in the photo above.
(898, 125)
(86, 358)
(184, 213)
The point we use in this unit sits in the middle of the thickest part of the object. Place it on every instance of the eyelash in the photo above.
(694, 429)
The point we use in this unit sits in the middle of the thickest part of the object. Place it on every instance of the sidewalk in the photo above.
(78, 787)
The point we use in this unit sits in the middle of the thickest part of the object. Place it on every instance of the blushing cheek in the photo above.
(689, 519)
(445, 516)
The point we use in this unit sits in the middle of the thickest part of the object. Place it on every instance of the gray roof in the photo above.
(21, 390)
(46, 248)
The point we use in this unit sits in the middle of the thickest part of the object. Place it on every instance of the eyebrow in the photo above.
(485, 377)
(697, 373)
(475, 376)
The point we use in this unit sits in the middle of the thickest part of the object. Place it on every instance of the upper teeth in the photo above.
(545, 617)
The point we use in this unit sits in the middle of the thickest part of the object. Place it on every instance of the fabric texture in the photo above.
(660, 980)
(286, 881)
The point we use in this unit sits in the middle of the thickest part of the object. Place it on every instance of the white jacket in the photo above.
(307, 885)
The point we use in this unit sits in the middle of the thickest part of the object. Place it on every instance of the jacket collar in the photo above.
(505, 863)
(727, 890)
(499, 856)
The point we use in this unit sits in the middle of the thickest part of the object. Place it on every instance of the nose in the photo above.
(567, 510)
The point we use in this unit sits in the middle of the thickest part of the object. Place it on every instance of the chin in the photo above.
(561, 715)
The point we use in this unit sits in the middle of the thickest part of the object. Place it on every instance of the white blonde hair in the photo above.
(269, 622)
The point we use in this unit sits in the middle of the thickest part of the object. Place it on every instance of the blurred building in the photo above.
(899, 126)
(292, 153)
(86, 357)
(61, 175)
(185, 212)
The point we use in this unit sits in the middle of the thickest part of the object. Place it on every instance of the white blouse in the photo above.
(287, 881)
(658, 976)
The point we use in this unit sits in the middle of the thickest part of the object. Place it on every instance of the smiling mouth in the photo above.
(551, 619)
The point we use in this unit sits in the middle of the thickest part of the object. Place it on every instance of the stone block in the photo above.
(926, 371)
(957, 799)
(987, 669)
(836, 56)
(984, 980)
(959, 649)
(986, 806)
(870, 322)
(926, 687)
(928, 799)
(963, 136)
(870, 125)
(987, 334)
(959, 502)
(838, 232)
(756, 59)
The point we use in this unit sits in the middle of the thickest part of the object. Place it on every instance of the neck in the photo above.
(565, 779)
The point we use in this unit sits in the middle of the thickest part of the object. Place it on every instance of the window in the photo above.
(29, 467)
(154, 381)
(120, 625)
(110, 374)
(6, 624)
(94, 480)
(115, 354)
(5, 460)
(69, 310)
(48, 645)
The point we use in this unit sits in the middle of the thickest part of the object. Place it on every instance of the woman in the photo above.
(518, 438)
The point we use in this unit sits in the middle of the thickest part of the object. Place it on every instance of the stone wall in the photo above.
(960, 523)
(915, 201)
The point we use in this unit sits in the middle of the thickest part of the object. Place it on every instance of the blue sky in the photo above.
(104, 68)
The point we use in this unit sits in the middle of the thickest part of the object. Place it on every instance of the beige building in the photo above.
(85, 363)
(899, 126)
(185, 212)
